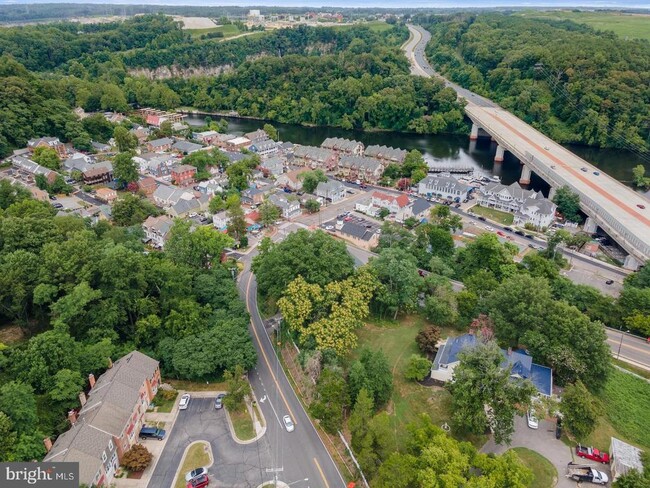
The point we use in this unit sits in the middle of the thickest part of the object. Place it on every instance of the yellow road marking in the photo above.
(626, 346)
(266, 359)
(322, 475)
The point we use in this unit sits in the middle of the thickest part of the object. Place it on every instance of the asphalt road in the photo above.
(629, 348)
(300, 454)
(235, 465)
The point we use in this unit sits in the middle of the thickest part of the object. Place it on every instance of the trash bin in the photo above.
(558, 428)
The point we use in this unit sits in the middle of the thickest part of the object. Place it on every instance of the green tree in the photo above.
(311, 179)
(383, 213)
(124, 140)
(479, 381)
(487, 254)
(413, 163)
(7, 436)
(640, 178)
(330, 401)
(568, 204)
(399, 280)
(271, 131)
(360, 419)
(417, 368)
(238, 388)
(427, 339)
(269, 213)
(579, 410)
(442, 217)
(312, 206)
(97, 127)
(374, 374)
(236, 224)
(67, 386)
(124, 168)
(48, 157)
(132, 210)
(198, 248)
(18, 402)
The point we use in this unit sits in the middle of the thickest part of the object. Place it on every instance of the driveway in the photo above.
(542, 441)
(235, 465)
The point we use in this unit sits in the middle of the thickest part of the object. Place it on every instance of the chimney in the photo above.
(72, 417)
(510, 351)
(110, 363)
(91, 380)
(48, 444)
(82, 398)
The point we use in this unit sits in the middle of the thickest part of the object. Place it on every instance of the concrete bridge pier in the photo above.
(498, 157)
(472, 145)
(631, 263)
(590, 226)
(551, 193)
(473, 135)
(525, 175)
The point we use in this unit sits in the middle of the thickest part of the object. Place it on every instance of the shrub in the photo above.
(137, 458)
(417, 368)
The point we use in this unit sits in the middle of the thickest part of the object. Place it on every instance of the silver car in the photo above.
(288, 423)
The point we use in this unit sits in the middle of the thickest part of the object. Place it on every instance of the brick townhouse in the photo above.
(109, 420)
(183, 175)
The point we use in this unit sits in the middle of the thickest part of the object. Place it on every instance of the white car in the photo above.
(288, 423)
(533, 423)
(185, 401)
(195, 473)
(487, 227)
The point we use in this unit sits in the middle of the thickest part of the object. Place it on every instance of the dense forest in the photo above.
(352, 78)
(571, 82)
(81, 294)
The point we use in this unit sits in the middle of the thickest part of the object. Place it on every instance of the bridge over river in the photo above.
(618, 210)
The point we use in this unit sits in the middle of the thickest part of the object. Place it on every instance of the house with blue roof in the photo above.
(521, 364)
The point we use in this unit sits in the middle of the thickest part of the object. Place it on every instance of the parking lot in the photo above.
(353, 218)
(235, 465)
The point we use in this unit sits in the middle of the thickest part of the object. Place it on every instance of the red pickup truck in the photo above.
(593, 454)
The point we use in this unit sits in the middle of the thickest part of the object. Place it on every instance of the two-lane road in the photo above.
(300, 454)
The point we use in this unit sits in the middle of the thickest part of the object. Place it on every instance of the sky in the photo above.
(367, 3)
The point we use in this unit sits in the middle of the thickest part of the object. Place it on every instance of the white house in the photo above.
(398, 206)
(539, 212)
(221, 220)
(156, 230)
(443, 187)
(528, 206)
(289, 208)
(331, 189)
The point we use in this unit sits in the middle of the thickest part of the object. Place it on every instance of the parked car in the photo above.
(185, 401)
(52, 197)
(520, 233)
(488, 228)
(532, 421)
(200, 482)
(584, 169)
(642, 207)
(582, 472)
(152, 433)
(509, 229)
(592, 454)
(57, 205)
(597, 173)
(529, 236)
(480, 217)
(609, 282)
(501, 234)
(195, 473)
(288, 423)
(218, 401)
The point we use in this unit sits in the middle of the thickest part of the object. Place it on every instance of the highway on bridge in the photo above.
(616, 208)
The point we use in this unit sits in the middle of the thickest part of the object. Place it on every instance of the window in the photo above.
(104, 458)
(110, 445)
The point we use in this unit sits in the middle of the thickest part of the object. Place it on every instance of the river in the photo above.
(442, 148)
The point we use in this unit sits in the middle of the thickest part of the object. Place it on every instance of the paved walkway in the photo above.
(542, 441)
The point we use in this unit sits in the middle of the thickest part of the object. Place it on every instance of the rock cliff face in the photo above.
(164, 72)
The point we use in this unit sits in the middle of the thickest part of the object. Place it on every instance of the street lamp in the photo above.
(618, 354)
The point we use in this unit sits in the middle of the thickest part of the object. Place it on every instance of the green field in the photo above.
(228, 30)
(409, 398)
(624, 25)
(503, 218)
(544, 472)
(242, 423)
(375, 26)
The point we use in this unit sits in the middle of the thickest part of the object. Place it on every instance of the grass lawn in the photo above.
(215, 385)
(242, 423)
(544, 472)
(625, 400)
(195, 457)
(164, 406)
(641, 372)
(624, 25)
(375, 26)
(409, 398)
(228, 30)
(503, 218)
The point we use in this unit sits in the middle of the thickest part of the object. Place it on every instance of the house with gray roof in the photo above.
(185, 207)
(529, 206)
(257, 136)
(289, 208)
(332, 190)
(364, 236)
(315, 157)
(79, 162)
(438, 186)
(341, 145)
(110, 418)
(100, 146)
(156, 230)
(273, 166)
(27, 166)
(160, 145)
(539, 212)
(265, 148)
(386, 153)
(360, 167)
(167, 195)
(186, 147)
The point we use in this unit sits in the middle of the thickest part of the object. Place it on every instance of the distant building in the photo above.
(436, 186)
(167, 195)
(346, 146)
(272, 166)
(265, 148)
(360, 168)
(315, 157)
(185, 207)
(237, 143)
(220, 220)
(147, 185)
(183, 175)
(160, 145)
(49, 142)
(156, 230)
(389, 154)
(359, 234)
(29, 167)
(109, 420)
(107, 195)
(528, 206)
(98, 173)
(291, 179)
(206, 137)
(331, 190)
(539, 212)
(257, 136)
(186, 147)
(289, 208)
